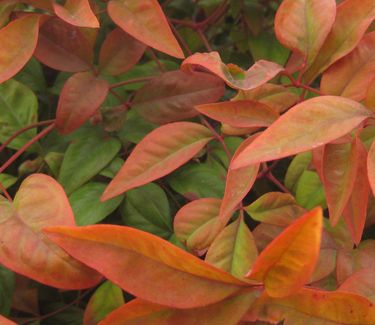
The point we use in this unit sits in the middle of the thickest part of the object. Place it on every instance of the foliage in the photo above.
(145, 181)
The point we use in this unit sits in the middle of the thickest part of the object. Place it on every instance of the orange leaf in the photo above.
(242, 114)
(370, 96)
(80, 98)
(64, 47)
(257, 75)
(16, 46)
(77, 13)
(146, 265)
(351, 23)
(40, 202)
(160, 152)
(119, 53)
(351, 76)
(145, 21)
(304, 25)
(6, 321)
(371, 167)
(300, 129)
(142, 312)
(288, 262)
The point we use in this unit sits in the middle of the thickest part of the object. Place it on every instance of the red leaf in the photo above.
(371, 167)
(40, 202)
(240, 113)
(145, 21)
(172, 96)
(257, 75)
(142, 312)
(304, 25)
(64, 47)
(146, 265)
(77, 13)
(6, 321)
(288, 262)
(16, 46)
(80, 98)
(160, 152)
(300, 129)
(119, 53)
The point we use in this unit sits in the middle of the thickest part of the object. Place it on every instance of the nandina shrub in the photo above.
(145, 181)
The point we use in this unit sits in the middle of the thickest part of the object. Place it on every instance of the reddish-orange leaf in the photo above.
(355, 211)
(371, 167)
(304, 25)
(142, 312)
(288, 262)
(300, 129)
(370, 96)
(80, 98)
(40, 202)
(350, 25)
(64, 47)
(238, 184)
(351, 76)
(159, 153)
(173, 95)
(119, 52)
(146, 265)
(339, 165)
(16, 46)
(77, 13)
(6, 321)
(240, 113)
(257, 75)
(193, 223)
(145, 21)
(312, 306)
(362, 283)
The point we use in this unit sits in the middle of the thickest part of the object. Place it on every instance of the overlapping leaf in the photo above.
(77, 13)
(159, 153)
(300, 129)
(40, 202)
(371, 167)
(146, 265)
(145, 21)
(257, 75)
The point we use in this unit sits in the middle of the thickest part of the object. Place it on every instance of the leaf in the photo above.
(40, 202)
(153, 217)
(275, 208)
(361, 283)
(350, 25)
(6, 8)
(17, 48)
(371, 167)
(159, 153)
(351, 76)
(288, 262)
(105, 299)
(41, 4)
(18, 109)
(119, 53)
(77, 168)
(87, 207)
(77, 13)
(233, 250)
(300, 128)
(339, 172)
(276, 97)
(370, 97)
(298, 165)
(6, 321)
(7, 285)
(241, 114)
(142, 312)
(193, 224)
(64, 47)
(145, 21)
(257, 75)
(355, 212)
(144, 264)
(304, 25)
(80, 98)
(312, 306)
(173, 96)
(32, 76)
(310, 191)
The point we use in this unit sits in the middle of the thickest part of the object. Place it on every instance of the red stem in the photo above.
(6, 193)
(275, 181)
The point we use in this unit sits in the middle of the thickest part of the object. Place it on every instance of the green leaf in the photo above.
(6, 290)
(84, 159)
(32, 76)
(71, 315)
(18, 108)
(7, 180)
(296, 168)
(87, 207)
(113, 168)
(197, 181)
(309, 190)
(147, 208)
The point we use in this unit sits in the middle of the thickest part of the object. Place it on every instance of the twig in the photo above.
(275, 181)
